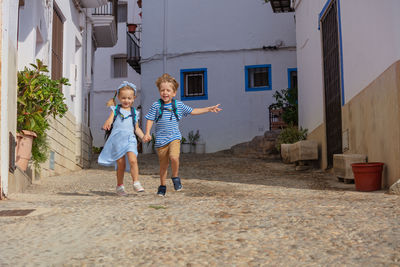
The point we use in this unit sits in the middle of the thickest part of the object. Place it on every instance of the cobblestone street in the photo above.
(232, 212)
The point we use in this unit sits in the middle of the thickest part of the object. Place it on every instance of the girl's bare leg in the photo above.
(134, 166)
(120, 170)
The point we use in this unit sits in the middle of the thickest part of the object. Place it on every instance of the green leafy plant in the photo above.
(183, 140)
(193, 137)
(290, 135)
(38, 98)
(96, 149)
(287, 100)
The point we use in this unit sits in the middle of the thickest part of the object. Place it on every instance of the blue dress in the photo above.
(121, 140)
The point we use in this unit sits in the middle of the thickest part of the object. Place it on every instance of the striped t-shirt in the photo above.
(167, 127)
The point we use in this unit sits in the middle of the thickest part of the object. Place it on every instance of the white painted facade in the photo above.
(223, 37)
(104, 83)
(9, 19)
(370, 44)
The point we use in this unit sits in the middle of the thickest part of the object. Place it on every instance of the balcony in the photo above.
(105, 23)
(93, 3)
(133, 52)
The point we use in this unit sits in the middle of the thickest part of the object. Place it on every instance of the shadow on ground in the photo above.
(229, 168)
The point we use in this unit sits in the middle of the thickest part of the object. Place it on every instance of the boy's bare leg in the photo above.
(120, 170)
(163, 172)
(174, 165)
(134, 166)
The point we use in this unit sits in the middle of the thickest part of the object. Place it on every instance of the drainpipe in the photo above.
(165, 47)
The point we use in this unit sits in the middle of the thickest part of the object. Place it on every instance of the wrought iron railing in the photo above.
(133, 51)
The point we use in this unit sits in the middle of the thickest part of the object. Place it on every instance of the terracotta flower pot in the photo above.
(132, 28)
(23, 150)
(367, 175)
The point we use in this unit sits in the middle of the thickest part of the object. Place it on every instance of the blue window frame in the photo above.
(194, 84)
(258, 77)
(292, 77)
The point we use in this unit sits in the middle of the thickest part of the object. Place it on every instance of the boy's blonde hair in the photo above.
(166, 78)
(124, 86)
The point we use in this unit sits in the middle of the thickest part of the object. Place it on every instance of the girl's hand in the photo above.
(146, 138)
(107, 125)
(215, 108)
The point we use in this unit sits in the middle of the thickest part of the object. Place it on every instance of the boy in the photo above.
(167, 112)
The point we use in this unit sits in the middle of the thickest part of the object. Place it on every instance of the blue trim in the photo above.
(205, 96)
(328, 2)
(289, 71)
(246, 80)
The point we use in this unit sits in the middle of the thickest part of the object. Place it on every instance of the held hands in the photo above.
(215, 108)
(146, 138)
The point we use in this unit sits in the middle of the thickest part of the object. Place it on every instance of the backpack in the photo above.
(118, 112)
(160, 110)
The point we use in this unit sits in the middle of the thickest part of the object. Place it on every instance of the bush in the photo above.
(290, 135)
(39, 97)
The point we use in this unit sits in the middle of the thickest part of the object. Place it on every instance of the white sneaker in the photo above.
(121, 191)
(138, 187)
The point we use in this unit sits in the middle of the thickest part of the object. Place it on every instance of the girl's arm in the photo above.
(109, 121)
(198, 111)
(139, 131)
(147, 136)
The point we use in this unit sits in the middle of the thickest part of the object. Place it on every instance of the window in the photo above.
(120, 67)
(194, 84)
(57, 46)
(122, 12)
(258, 77)
(292, 78)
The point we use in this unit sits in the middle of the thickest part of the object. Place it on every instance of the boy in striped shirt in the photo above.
(168, 136)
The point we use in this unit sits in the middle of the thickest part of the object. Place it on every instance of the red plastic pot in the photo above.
(367, 175)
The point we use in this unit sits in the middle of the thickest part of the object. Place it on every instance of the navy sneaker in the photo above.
(161, 190)
(177, 183)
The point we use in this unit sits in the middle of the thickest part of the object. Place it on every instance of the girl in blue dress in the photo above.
(120, 149)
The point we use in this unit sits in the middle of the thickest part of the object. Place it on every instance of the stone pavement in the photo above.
(232, 212)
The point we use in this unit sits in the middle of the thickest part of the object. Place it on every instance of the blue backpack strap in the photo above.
(175, 109)
(133, 114)
(160, 110)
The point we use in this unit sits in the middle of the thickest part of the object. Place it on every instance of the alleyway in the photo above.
(232, 212)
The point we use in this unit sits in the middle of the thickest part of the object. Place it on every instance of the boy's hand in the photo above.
(215, 108)
(146, 138)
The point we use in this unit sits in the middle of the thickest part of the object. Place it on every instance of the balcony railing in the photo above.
(110, 9)
(133, 52)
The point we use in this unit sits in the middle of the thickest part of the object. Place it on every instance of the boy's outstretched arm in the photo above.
(147, 136)
(198, 111)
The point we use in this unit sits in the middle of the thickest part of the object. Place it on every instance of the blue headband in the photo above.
(125, 83)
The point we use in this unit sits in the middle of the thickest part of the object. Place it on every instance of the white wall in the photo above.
(9, 17)
(224, 37)
(104, 85)
(370, 41)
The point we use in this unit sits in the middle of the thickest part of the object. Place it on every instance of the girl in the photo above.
(120, 149)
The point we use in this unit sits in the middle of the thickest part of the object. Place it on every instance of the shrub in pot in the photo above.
(38, 98)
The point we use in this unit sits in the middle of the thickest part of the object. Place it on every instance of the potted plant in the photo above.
(193, 138)
(132, 28)
(38, 98)
(287, 136)
(185, 146)
(367, 175)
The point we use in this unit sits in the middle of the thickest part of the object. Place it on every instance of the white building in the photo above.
(348, 56)
(112, 67)
(63, 34)
(233, 53)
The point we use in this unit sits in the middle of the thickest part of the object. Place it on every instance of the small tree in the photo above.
(287, 100)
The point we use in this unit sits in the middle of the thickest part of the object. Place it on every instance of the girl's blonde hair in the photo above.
(124, 86)
(166, 78)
